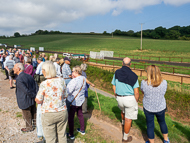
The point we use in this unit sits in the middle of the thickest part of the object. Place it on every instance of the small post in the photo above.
(173, 70)
(169, 59)
(181, 79)
(181, 60)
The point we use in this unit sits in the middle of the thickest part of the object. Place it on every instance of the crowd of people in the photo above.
(60, 92)
(49, 83)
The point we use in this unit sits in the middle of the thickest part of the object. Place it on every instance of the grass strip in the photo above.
(177, 131)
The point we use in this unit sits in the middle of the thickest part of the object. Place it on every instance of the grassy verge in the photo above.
(177, 131)
(92, 133)
(175, 99)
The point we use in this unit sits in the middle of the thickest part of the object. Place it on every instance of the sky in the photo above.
(28, 16)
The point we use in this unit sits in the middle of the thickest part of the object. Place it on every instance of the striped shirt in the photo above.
(9, 64)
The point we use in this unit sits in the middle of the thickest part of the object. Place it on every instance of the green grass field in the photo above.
(120, 45)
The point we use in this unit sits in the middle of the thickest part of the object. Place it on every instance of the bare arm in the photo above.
(90, 83)
(38, 102)
(136, 92)
(114, 88)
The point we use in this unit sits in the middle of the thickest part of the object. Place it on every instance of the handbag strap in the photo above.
(78, 92)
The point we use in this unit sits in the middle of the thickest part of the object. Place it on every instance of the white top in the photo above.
(58, 68)
(154, 100)
(73, 88)
(39, 69)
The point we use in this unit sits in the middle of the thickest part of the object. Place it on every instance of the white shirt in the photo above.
(39, 69)
(57, 67)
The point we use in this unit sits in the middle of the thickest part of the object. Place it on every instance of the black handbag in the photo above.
(68, 103)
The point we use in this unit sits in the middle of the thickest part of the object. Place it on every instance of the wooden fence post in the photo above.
(181, 80)
(173, 70)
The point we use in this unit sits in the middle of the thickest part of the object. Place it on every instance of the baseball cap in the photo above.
(67, 59)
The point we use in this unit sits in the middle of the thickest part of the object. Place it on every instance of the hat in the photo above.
(67, 59)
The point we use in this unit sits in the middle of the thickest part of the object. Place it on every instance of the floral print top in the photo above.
(53, 93)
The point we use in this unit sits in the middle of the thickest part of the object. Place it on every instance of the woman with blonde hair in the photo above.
(51, 58)
(76, 91)
(154, 103)
(51, 95)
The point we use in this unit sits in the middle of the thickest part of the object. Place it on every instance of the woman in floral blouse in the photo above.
(51, 95)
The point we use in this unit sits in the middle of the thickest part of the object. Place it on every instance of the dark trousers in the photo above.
(74, 109)
(7, 73)
(150, 122)
(29, 115)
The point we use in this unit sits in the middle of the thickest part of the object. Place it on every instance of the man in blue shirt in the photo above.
(125, 87)
(66, 70)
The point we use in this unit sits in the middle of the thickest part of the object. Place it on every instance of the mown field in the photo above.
(120, 45)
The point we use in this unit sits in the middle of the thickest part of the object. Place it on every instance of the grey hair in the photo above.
(49, 68)
(20, 66)
(78, 70)
(83, 67)
(11, 57)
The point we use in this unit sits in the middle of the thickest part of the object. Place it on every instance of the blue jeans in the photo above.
(67, 81)
(150, 122)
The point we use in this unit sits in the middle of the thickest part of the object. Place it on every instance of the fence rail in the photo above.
(141, 71)
(159, 57)
(135, 66)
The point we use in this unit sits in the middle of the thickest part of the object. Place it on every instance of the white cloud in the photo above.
(30, 15)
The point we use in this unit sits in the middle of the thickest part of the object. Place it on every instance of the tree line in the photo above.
(173, 33)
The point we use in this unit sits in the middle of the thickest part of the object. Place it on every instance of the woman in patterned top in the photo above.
(51, 95)
(76, 88)
(154, 103)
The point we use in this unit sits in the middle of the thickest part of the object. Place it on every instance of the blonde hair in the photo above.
(49, 68)
(78, 70)
(55, 56)
(51, 58)
(154, 77)
(83, 67)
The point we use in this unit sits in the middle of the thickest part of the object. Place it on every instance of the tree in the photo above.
(173, 34)
(161, 31)
(17, 34)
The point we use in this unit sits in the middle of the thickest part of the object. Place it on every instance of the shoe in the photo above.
(12, 87)
(26, 130)
(129, 139)
(6, 78)
(167, 141)
(147, 142)
(82, 132)
(85, 112)
(71, 137)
